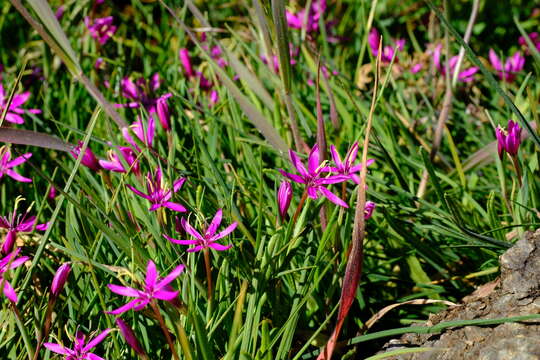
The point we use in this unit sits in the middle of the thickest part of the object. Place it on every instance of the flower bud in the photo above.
(368, 210)
(284, 197)
(129, 336)
(163, 114)
(60, 279)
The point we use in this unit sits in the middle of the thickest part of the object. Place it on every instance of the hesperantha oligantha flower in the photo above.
(162, 110)
(387, 51)
(81, 349)
(208, 238)
(15, 110)
(8, 263)
(466, 75)
(509, 139)
(347, 166)
(115, 163)
(7, 165)
(154, 289)
(129, 336)
(507, 71)
(60, 278)
(144, 132)
(142, 92)
(16, 223)
(157, 194)
(314, 177)
(89, 159)
(535, 39)
(101, 29)
(284, 197)
(368, 209)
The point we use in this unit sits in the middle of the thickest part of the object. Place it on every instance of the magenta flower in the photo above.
(312, 177)
(466, 75)
(186, 62)
(89, 159)
(80, 349)
(8, 263)
(101, 29)
(346, 166)
(513, 65)
(508, 140)
(129, 336)
(15, 224)
(315, 12)
(209, 239)
(157, 194)
(60, 278)
(14, 110)
(116, 165)
(142, 92)
(203, 83)
(163, 114)
(153, 289)
(416, 68)
(368, 210)
(7, 165)
(387, 51)
(535, 38)
(284, 197)
(145, 133)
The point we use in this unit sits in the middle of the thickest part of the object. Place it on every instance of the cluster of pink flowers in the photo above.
(15, 110)
(101, 29)
(317, 176)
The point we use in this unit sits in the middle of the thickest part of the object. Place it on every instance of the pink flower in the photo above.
(89, 159)
(115, 164)
(513, 65)
(157, 194)
(535, 39)
(346, 166)
(15, 224)
(80, 349)
(416, 68)
(60, 278)
(163, 114)
(7, 165)
(9, 263)
(466, 75)
(315, 12)
(14, 110)
(284, 197)
(101, 29)
(145, 133)
(129, 336)
(368, 210)
(508, 140)
(203, 83)
(209, 239)
(387, 51)
(312, 177)
(142, 92)
(153, 289)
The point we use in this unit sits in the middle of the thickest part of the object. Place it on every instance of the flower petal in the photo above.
(95, 341)
(122, 309)
(215, 223)
(175, 206)
(151, 274)
(219, 247)
(124, 290)
(298, 164)
(169, 278)
(190, 230)
(333, 198)
(18, 177)
(293, 177)
(181, 242)
(9, 291)
(229, 229)
(57, 348)
(19, 160)
(313, 159)
(166, 295)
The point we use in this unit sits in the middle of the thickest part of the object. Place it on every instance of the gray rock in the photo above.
(517, 293)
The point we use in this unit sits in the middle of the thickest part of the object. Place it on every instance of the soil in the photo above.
(515, 293)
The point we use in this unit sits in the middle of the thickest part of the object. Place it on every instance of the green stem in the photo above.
(23, 331)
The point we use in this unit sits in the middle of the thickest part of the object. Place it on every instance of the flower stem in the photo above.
(22, 329)
(515, 162)
(299, 208)
(208, 266)
(164, 329)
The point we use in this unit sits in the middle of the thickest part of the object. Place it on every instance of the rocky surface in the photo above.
(515, 293)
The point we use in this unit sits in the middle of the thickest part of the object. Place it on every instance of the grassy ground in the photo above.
(276, 292)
